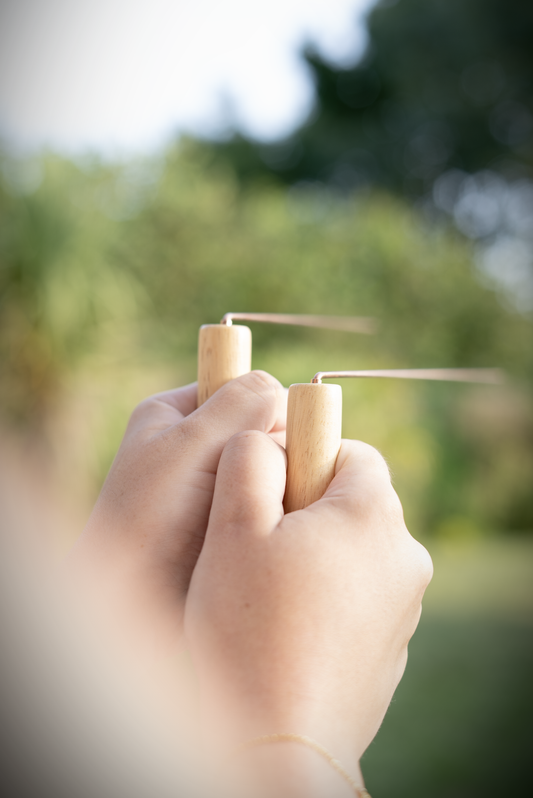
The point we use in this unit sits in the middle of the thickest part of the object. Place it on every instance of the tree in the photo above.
(443, 84)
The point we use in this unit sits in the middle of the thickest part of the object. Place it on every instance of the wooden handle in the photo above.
(314, 423)
(224, 352)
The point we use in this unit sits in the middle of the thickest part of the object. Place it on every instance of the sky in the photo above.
(123, 76)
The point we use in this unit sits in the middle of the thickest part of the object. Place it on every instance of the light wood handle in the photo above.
(314, 423)
(224, 352)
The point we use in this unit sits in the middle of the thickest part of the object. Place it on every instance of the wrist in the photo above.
(316, 757)
(295, 766)
(247, 716)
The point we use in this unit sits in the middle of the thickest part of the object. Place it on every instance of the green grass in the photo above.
(460, 723)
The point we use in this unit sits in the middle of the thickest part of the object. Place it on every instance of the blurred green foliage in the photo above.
(459, 724)
(119, 264)
(61, 292)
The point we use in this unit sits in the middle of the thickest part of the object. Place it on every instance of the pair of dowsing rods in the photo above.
(314, 412)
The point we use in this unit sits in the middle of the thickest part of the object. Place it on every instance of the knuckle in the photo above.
(260, 381)
(244, 449)
(422, 563)
(392, 506)
(258, 389)
(246, 439)
(377, 501)
(373, 459)
(142, 409)
(363, 458)
(427, 568)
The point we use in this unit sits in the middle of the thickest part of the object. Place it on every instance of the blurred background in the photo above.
(162, 165)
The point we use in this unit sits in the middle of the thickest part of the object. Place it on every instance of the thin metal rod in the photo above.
(492, 376)
(355, 324)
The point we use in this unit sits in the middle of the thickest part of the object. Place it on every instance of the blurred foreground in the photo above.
(78, 718)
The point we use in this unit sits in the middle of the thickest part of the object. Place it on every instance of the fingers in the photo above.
(362, 481)
(257, 396)
(163, 410)
(255, 401)
(362, 489)
(280, 424)
(184, 400)
(360, 492)
(250, 485)
(361, 504)
(362, 484)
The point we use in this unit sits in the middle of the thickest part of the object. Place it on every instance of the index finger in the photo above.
(184, 400)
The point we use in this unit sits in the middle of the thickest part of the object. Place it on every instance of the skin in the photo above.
(301, 622)
(295, 622)
(134, 561)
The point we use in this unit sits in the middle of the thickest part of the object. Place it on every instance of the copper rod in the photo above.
(355, 324)
(492, 376)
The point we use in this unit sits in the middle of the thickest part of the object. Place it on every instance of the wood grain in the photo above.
(224, 352)
(314, 424)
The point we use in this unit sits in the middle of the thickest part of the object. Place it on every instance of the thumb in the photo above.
(249, 486)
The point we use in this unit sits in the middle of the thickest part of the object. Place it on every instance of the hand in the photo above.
(137, 553)
(300, 623)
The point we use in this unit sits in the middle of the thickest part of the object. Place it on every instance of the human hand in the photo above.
(300, 623)
(136, 556)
